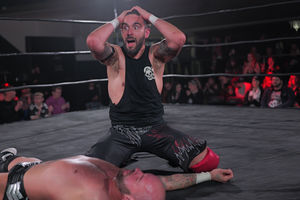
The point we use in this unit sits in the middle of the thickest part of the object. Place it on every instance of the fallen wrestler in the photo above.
(82, 177)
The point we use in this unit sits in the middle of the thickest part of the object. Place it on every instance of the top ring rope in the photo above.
(232, 10)
(165, 76)
(187, 45)
(165, 18)
(55, 20)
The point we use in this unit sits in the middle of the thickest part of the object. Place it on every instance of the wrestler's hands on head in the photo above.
(145, 14)
(221, 175)
(122, 16)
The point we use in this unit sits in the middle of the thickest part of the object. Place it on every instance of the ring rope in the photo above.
(185, 46)
(55, 20)
(242, 42)
(165, 76)
(46, 53)
(165, 18)
(232, 10)
(268, 21)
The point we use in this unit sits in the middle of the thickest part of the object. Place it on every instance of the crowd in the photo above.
(277, 93)
(260, 84)
(252, 89)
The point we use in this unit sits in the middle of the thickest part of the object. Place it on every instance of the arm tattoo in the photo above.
(112, 58)
(178, 181)
(164, 52)
(108, 53)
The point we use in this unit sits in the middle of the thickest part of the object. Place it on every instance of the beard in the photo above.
(133, 52)
(121, 185)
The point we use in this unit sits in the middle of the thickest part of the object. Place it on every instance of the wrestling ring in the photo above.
(261, 146)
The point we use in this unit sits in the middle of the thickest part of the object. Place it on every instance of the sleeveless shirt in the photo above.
(140, 104)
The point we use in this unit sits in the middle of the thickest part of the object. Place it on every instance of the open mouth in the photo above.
(130, 41)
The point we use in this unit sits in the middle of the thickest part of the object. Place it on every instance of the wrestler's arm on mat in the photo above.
(173, 42)
(181, 181)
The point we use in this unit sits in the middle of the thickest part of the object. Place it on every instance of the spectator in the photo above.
(10, 108)
(194, 94)
(240, 90)
(251, 66)
(211, 92)
(253, 96)
(56, 102)
(26, 98)
(267, 82)
(224, 82)
(278, 96)
(179, 95)
(92, 97)
(271, 67)
(167, 92)
(294, 84)
(232, 67)
(256, 55)
(38, 109)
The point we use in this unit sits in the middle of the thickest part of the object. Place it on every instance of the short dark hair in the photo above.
(55, 88)
(135, 12)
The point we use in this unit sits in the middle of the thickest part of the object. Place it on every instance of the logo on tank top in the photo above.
(149, 73)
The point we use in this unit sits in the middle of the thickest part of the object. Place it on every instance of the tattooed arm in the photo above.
(181, 181)
(97, 40)
(174, 38)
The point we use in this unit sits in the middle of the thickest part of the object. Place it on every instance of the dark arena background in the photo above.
(207, 87)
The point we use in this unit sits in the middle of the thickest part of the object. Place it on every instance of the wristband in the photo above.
(153, 19)
(202, 177)
(115, 23)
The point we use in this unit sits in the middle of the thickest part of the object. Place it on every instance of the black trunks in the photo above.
(15, 184)
(179, 149)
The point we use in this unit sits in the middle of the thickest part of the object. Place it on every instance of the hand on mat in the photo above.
(221, 175)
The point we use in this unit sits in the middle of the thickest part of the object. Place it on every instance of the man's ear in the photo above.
(127, 197)
(147, 32)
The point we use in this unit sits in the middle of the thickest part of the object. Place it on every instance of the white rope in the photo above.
(165, 18)
(185, 46)
(165, 76)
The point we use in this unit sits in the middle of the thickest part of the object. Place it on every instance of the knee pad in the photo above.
(209, 162)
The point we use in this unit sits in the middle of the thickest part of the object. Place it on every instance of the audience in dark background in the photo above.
(92, 96)
(278, 95)
(194, 93)
(179, 96)
(252, 89)
(26, 98)
(10, 108)
(57, 104)
(253, 96)
(38, 109)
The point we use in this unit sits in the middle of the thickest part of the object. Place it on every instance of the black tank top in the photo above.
(140, 104)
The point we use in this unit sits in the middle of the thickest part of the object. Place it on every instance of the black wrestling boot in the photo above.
(6, 156)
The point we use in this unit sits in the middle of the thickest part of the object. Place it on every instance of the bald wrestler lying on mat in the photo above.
(82, 177)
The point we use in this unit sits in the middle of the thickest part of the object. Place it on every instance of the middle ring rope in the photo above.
(185, 46)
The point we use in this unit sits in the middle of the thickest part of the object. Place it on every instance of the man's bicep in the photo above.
(104, 54)
(163, 52)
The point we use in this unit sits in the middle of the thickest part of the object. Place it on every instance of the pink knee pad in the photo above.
(209, 162)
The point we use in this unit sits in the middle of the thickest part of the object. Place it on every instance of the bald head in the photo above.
(141, 186)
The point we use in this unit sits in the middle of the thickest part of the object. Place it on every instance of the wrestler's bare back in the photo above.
(73, 178)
